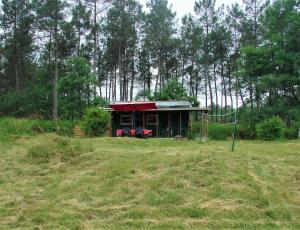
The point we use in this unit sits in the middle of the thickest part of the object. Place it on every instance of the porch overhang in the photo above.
(151, 106)
(132, 106)
(199, 109)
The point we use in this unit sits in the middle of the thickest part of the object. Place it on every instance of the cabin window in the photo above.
(152, 119)
(126, 119)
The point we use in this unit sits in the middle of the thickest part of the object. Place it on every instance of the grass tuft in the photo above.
(59, 148)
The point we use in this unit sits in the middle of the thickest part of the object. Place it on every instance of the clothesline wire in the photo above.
(221, 123)
(220, 115)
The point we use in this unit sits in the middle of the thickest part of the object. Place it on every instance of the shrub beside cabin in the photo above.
(164, 118)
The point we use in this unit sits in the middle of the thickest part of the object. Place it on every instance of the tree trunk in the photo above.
(224, 88)
(54, 110)
(95, 45)
(120, 75)
(251, 94)
(230, 88)
(49, 51)
(106, 87)
(205, 82)
(17, 77)
(17, 80)
(211, 95)
(115, 82)
(216, 92)
(110, 85)
(79, 40)
(196, 84)
(132, 84)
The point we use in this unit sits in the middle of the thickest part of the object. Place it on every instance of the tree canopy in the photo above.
(58, 57)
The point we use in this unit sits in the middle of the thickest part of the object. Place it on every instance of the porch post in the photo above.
(169, 124)
(144, 120)
(206, 123)
(180, 123)
(157, 124)
(133, 120)
(190, 125)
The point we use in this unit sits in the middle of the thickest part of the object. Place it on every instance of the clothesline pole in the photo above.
(233, 137)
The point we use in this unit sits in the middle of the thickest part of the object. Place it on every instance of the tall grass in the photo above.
(219, 132)
(18, 127)
(57, 148)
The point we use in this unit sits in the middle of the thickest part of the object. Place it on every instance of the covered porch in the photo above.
(163, 118)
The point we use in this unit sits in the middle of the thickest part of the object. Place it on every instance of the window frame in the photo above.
(152, 116)
(128, 116)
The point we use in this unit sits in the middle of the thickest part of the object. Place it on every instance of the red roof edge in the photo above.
(133, 106)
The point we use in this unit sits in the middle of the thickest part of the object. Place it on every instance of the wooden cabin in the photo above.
(164, 118)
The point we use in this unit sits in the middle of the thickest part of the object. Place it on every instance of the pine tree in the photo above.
(159, 30)
(50, 19)
(81, 23)
(16, 22)
(206, 15)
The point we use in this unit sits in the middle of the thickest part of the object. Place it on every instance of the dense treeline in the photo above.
(58, 57)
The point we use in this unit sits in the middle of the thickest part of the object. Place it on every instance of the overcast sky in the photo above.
(183, 7)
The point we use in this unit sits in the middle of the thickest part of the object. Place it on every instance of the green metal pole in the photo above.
(234, 135)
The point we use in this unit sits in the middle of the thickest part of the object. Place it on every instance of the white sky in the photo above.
(183, 7)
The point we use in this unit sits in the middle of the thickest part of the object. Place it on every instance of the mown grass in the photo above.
(123, 183)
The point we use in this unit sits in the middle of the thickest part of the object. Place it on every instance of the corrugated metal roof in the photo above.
(173, 104)
(160, 105)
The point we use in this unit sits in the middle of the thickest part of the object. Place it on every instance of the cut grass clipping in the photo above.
(57, 148)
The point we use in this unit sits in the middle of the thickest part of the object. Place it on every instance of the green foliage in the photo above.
(74, 88)
(143, 95)
(13, 126)
(95, 121)
(246, 132)
(219, 132)
(270, 129)
(290, 133)
(100, 102)
(172, 91)
(33, 99)
(12, 104)
(196, 131)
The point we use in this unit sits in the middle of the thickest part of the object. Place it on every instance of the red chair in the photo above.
(147, 132)
(119, 132)
(132, 132)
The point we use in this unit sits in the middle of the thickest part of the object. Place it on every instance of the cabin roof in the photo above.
(153, 106)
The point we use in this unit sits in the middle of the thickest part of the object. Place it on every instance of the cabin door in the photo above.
(138, 121)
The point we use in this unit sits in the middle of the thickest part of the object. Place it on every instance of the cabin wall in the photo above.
(167, 123)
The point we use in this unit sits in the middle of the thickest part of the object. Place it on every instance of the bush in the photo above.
(219, 132)
(270, 129)
(13, 126)
(246, 132)
(290, 133)
(61, 127)
(65, 128)
(95, 122)
(196, 131)
(44, 126)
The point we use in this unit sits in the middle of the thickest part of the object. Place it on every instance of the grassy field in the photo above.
(50, 182)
